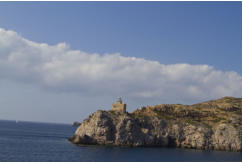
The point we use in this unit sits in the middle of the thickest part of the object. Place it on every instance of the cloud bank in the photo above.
(59, 68)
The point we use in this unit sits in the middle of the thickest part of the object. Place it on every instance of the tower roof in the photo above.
(119, 100)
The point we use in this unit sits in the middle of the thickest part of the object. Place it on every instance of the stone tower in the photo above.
(119, 106)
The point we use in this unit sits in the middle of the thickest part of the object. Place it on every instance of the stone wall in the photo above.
(119, 107)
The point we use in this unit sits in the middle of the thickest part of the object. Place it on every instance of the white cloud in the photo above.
(62, 69)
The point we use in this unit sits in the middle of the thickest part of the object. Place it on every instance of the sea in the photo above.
(47, 142)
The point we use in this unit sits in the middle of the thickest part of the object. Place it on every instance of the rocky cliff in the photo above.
(210, 125)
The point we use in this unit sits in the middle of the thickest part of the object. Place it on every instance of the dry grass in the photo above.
(207, 113)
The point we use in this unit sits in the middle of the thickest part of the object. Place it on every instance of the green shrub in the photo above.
(190, 121)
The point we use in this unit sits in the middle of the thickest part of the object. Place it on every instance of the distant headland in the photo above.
(211, 125)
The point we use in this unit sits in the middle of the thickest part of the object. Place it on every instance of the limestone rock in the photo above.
(226, 137)
(201, 126)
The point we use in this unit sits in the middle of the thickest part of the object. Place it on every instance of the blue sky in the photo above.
(190, 33)
(169, 32)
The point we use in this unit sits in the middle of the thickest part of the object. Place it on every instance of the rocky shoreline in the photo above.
(212, 125)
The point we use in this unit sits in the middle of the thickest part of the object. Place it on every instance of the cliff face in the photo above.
(210, 125)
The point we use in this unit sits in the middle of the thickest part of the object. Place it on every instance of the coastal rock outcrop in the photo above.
(209, 125)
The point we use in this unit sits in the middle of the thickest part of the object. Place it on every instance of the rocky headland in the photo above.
(212, 125)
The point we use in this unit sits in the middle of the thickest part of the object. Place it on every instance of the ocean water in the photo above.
(33, 142)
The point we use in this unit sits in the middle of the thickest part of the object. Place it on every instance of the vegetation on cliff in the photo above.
(209, 114)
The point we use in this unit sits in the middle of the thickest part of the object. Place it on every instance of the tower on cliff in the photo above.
(119, 106)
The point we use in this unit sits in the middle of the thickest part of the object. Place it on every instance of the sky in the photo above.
(62, 61)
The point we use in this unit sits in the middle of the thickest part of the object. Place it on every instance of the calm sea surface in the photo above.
(27, 141)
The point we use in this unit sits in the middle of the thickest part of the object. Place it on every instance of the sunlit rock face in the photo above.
(209, 125)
